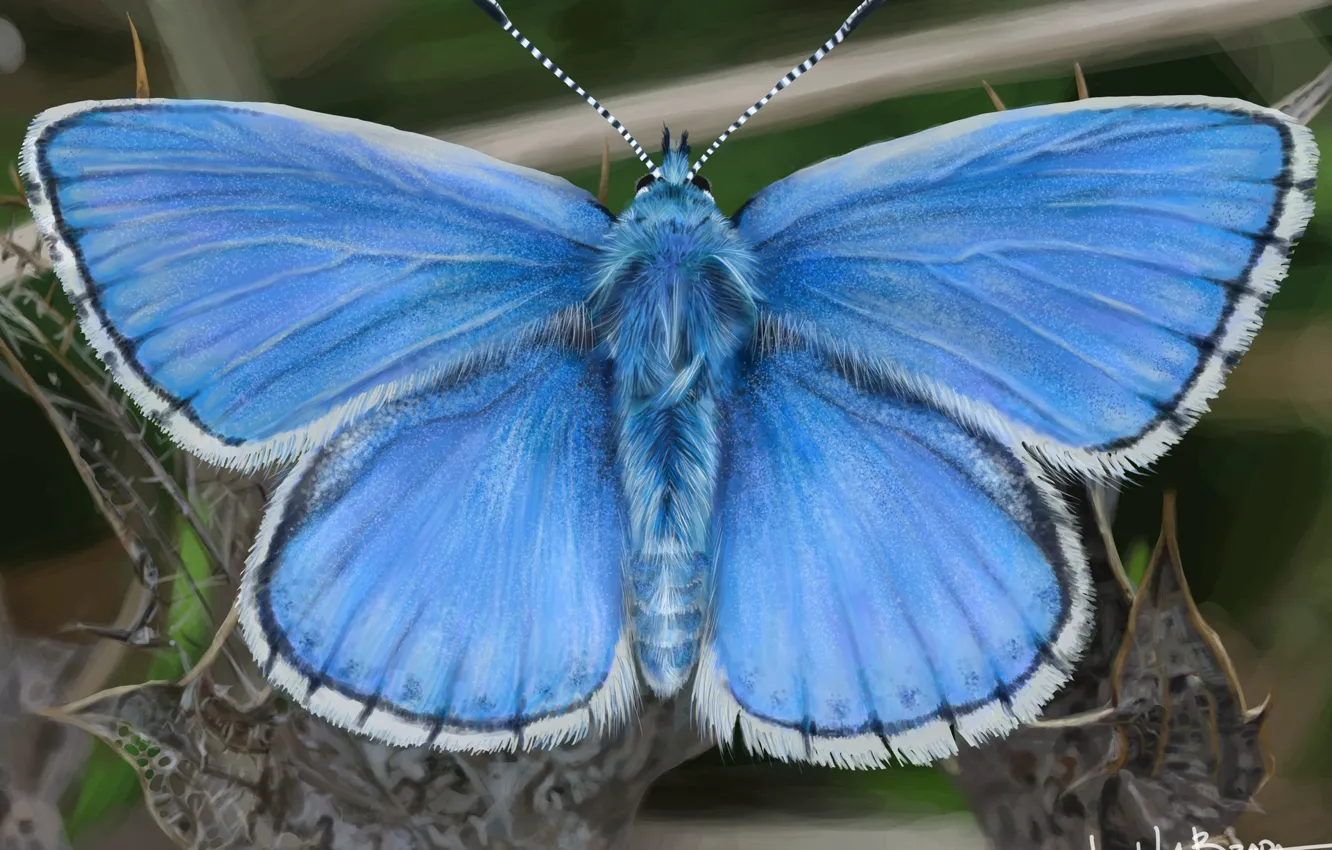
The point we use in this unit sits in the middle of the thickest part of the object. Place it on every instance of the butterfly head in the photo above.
(676, 278)
(674, 172)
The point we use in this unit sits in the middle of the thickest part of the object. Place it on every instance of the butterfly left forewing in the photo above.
(1077, 277)
(447, 570)
(256, 276)
(882, 574)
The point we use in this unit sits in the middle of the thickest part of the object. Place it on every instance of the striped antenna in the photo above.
(492, 8)
(857, 18)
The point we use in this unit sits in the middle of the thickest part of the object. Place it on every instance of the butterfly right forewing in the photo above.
(1078, 277)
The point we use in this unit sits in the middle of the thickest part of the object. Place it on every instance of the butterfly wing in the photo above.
(881, 572)
(446, 571)
(256, 275)
(1079, 277)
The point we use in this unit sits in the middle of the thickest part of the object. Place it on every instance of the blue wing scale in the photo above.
(257, 276)
(448, 569)
(1077, 277)
(882, 574)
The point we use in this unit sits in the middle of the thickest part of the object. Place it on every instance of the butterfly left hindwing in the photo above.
(447, 570)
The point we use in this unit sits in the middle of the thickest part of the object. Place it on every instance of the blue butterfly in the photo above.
(798, 460)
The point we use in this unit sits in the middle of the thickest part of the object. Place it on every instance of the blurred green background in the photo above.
(1254, 478)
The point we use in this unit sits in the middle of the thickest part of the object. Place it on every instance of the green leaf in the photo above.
(1138, 558)
(109, 783)
(188, 628)
(907, 789)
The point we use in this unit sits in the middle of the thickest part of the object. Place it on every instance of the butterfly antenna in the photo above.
(857, 18)
(496, 13)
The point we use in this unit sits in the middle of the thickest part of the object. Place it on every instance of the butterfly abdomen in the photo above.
(670, 466)
(668, 463)
(675, 305)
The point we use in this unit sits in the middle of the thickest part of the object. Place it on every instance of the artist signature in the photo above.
(1203, 841)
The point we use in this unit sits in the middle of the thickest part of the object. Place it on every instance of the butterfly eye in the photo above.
(702, 183)
(644, 183)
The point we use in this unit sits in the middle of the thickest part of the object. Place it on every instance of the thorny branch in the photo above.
(1152, 733)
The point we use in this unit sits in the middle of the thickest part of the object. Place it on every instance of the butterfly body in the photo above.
(801, 454)
(675, 303)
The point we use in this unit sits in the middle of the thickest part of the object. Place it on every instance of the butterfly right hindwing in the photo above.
(882, 573)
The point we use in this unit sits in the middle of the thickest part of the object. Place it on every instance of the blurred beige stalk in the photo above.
(867, 71)
(209, 49)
